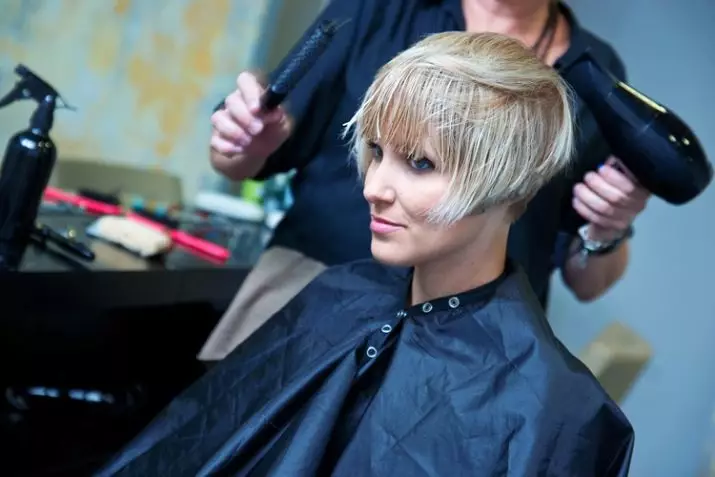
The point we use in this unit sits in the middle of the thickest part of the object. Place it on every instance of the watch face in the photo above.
(583, 233)
(594, 247)
(589, 245)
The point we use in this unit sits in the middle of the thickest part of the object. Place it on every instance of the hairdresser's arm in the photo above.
(610, 200)
(235, 167)
(599, 273)
(602, 272)
(311, 104)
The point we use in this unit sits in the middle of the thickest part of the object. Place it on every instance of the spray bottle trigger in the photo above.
(15, 94)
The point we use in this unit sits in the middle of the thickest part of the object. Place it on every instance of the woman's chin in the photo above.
(391, 254)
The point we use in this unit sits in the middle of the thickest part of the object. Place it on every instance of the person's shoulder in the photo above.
(601, 49)
(577, 409)
(340, 297)
(350, 285)
(600, 46)
(362, 276)
(552, 371)
(570, 382)
(569, 396)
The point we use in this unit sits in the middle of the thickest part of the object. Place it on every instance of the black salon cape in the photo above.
(344, 381)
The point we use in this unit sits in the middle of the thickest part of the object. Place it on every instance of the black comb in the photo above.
(301, 60)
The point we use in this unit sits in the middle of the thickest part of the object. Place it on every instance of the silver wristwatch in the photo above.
(590, 247)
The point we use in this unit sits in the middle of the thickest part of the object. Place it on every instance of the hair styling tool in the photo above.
(297, 63)
(66, 241)
(657, 146)
(90, 206)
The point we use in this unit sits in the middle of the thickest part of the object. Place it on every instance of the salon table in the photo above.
(118, 278)
(121, 327)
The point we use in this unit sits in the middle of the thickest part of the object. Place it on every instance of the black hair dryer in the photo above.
(654, 143)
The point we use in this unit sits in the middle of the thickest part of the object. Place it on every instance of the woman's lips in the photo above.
(382, 226)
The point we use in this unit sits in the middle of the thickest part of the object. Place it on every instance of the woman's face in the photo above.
(401, 191)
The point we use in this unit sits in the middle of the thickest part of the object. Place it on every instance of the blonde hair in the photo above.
(497, 118)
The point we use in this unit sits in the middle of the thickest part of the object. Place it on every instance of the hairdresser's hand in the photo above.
(609, 199)
(244, 136)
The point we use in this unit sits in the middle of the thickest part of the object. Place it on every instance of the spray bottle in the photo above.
(26, 168)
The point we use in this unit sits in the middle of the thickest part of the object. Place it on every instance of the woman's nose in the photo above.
(378, 185)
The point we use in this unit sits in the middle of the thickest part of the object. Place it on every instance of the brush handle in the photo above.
(300, 62)
(90, 206)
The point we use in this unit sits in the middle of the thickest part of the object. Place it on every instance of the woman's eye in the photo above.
(375, 151)
(422, 164)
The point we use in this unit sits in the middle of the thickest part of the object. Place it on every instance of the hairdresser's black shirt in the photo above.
(329, 219)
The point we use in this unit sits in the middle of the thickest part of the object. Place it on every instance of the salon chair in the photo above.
(617, 357)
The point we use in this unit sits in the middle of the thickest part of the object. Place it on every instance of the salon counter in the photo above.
(116, 278)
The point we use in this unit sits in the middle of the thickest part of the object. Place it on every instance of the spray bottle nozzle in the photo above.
(31, 86)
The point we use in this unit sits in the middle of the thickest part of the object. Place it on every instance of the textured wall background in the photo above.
(144, 75)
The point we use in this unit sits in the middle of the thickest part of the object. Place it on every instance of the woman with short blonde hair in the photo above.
(435, 359)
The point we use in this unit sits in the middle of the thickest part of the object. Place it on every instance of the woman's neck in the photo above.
(523, 19)
(480, 263)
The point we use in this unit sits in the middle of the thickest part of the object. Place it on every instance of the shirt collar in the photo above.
(577, 41)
